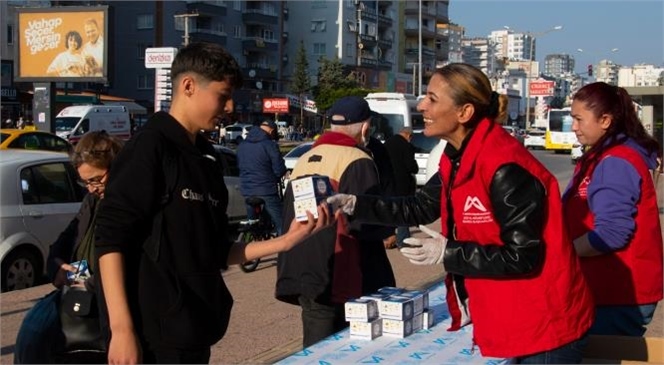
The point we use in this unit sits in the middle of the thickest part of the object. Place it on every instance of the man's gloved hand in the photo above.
(345, 202)
(425, 251)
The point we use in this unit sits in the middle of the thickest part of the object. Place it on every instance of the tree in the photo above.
(301, 81)
(333, 83)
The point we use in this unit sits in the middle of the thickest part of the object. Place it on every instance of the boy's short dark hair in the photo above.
(209, 60)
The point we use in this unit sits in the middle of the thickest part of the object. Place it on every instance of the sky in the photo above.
(636, 28)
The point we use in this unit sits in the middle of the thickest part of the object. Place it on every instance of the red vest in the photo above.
(522, 315)
(633, 274)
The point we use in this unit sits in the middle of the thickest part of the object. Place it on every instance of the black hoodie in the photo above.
(181, 299)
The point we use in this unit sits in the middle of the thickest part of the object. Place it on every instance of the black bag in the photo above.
(79, 317)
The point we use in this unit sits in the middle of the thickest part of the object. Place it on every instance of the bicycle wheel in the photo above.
(248, 266)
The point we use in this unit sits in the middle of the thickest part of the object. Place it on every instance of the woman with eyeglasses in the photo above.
(92, 157)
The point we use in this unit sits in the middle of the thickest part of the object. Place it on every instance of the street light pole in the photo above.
(186, 25)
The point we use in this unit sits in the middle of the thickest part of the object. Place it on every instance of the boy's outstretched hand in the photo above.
(300, 230)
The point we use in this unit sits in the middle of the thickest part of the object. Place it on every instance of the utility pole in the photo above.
(419, 53)
(186, 26)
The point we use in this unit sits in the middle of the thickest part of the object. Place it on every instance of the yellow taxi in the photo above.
(32, 140)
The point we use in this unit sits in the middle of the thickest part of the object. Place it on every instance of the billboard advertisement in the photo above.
(276, 105)
(62, 44)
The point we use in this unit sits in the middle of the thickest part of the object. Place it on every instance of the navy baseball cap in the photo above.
(349, 110)
(270, 123)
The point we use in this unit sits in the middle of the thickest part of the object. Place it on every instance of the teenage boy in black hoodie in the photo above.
(170, 307)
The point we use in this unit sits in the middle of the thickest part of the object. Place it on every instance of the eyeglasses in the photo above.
(94, 182)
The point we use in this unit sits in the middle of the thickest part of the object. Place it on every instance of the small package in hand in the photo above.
(308, 192)
(82, 271)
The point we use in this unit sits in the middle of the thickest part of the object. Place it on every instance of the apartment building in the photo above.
(559, 64)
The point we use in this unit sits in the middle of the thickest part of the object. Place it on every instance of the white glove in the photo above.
(345, 202)
(426, 251)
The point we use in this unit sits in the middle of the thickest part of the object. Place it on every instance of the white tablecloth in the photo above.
(433, 346)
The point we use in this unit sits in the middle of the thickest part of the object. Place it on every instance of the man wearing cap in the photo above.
(261, 168)
(345, 260)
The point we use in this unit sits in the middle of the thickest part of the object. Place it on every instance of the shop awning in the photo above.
(132, 107)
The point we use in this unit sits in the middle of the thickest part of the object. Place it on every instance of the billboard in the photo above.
(541, 88)
(276, 105)
(62, 44)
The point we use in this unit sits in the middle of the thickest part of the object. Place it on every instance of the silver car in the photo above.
(39, 197)
(236, 207)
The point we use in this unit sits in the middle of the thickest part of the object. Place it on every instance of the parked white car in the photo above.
(423, 146)
(535, 139)
(433, 161)
(237, 132)
(39, 197)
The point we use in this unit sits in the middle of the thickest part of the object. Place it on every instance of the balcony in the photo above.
(257, 44)
(207, 8)
(385, 43)
(254, 16)
(368, 15)
(366, 61)
(384, 21)
(368, 41)
(413, 8)
(208, 35)
(262, 70)
(385, 65)
(415, 31)
(426, 52)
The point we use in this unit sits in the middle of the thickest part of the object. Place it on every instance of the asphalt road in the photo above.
(261, 328)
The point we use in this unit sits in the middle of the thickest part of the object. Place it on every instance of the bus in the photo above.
(559, 135)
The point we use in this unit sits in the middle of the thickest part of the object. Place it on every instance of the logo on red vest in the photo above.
(474, 212)
(473, 202)
(583, 187)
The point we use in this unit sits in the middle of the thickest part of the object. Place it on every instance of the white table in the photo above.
(433, 346)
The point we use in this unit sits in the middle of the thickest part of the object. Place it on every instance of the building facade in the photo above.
(640, 75)
(559, 64)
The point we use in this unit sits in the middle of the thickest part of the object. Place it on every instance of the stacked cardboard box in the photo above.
(392, 312)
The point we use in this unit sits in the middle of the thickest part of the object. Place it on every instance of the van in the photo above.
(395, 111)
(74, 121)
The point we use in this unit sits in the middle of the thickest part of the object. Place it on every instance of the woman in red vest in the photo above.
(611, 210)
(511, 265)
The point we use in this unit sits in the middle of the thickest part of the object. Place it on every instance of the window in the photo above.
(237, 31)
(237, 5)
(319, 48)
(10, 34)
(318, 25)
(145, 82)
(145, 21)
(140, 50)
(350, 48)
(267, 34)
(47, 183)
